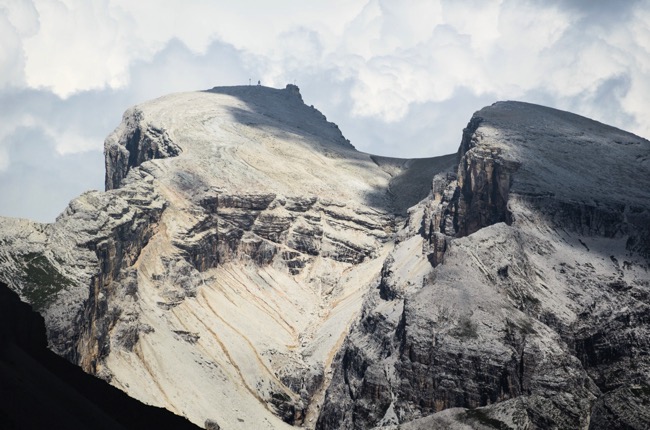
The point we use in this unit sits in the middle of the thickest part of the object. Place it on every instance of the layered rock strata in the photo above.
(218, 275)
(516, 295)
(40, 388)
(248, 268)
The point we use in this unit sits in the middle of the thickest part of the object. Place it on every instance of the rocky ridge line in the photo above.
(518, 281)
(513, 296)
(232, 276)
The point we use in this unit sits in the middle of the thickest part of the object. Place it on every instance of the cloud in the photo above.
(400, 79)
(396, 55)
(40, 181)
(18, 20)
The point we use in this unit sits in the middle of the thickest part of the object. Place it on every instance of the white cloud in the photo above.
(400, 78)
(22, 16)
(478, 19)
(91, 44)
(81, 45)
(18, 20)
(70, 142)
(7, 129)
(396, 54)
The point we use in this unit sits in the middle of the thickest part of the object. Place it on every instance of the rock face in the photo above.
(220, 272)
(518, 291)
(248, 268)
(40, 388)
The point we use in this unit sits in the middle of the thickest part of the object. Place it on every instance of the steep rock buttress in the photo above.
(247, 267)
(233, 248)
(517, 293)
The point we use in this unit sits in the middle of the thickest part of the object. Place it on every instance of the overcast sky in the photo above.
(400, 78)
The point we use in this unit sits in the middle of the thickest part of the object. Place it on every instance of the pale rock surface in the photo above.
(518, 295)
(248, 268)
(220, 272)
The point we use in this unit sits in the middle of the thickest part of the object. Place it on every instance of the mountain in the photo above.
(533, 309)
(248, 268)
(40, 388)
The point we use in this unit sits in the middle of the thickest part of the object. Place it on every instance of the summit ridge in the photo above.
(248, 267)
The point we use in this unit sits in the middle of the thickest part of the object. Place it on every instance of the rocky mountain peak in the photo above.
(515, 321)
(158, 129)
(248, 267)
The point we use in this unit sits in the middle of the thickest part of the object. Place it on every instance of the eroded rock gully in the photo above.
(227, 284)
(523, 317)
(40, 388)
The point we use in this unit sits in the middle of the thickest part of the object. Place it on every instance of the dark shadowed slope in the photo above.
(412, 182)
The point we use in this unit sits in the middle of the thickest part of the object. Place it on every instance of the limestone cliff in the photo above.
(518, 294)
(218, 274)
(40, 388)
(248, 268)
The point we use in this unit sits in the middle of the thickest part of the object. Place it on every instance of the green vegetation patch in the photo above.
(42, 280)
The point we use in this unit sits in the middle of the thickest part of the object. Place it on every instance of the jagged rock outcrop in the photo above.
(506, 295)
(248, 268)
(221, 270)
(40, 388)
(134, 142)
(52, 266)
